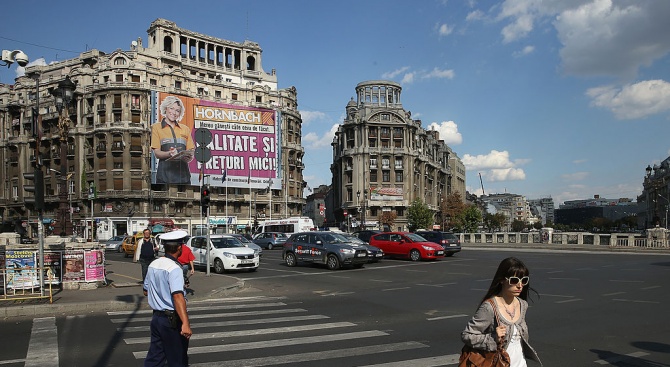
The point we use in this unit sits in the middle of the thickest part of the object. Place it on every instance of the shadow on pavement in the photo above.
(622, 360)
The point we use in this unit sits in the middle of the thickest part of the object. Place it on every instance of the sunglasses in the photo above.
(517, 280)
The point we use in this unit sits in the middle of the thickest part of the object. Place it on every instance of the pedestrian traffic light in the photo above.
(204, 199)
(37, 200)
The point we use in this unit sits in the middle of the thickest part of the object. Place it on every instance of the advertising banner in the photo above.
(94, 263)
(386, 193)
(244, 147)
(53, 267)
(74, 266)
(21, 272)
(2, 266)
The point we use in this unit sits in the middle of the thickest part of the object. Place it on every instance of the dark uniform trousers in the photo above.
(167, 344)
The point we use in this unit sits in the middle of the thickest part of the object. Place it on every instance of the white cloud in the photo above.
(312, 140)
(577, 176)
(311, 116)
(448, 131)
(579, 161)
(394, 73)
(474, 15)
(524, 51)
(633, 101)
(444, 30)
(495, 159)
(408, 78)
(505, 174)
(439, 74)
(601, 38)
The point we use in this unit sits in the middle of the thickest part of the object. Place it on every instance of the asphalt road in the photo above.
(593, 309)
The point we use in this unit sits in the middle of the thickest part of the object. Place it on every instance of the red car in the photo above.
(407, 245)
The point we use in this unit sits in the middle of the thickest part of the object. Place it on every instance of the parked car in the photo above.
(130, 243)
(270, 240)
(248, 243)
(375, 254)
(406, 244)
(447, 240)
(324, 247)
(114, 244)
(366, 234)
(226, 253)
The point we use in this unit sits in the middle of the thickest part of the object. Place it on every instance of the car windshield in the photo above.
(416, 238)
(353, 239)
(333, 238)
(243, 239)
(226, 243)
(450, 236)
(281, 235)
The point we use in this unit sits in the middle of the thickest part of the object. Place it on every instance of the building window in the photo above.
(373, 176)
(386, 163)
(385, 117)
(158, 207)
(386, 176)
(217, 93)
(373, 162)
(372, 143)
(119, 61)
(177, 84)
(119, 78)
(398, 176)
(400, 211)
(233, 96)
(135, 78)
(259, 99)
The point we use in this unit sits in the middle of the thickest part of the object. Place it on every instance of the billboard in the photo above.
(245, 143)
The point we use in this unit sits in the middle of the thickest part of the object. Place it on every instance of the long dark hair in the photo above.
(509, 267)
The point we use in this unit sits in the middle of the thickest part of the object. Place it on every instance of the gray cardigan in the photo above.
(480, 331)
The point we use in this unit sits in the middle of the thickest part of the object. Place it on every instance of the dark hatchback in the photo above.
(366, 234)
(448, 240)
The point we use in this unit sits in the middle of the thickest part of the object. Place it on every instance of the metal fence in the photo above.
(613, 240)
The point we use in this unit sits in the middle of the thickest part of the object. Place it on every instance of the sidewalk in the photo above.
(124, 293)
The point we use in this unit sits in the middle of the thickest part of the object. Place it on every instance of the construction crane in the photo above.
(481, 183)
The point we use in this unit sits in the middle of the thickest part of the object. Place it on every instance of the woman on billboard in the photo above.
(172, 143)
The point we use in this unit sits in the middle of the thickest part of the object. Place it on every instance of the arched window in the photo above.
(119, 61)
(251, 63)
(167, 44)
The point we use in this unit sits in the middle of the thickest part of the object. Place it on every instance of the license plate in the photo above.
(440, 252)
(453, 245)
(246, 261)
(362, 254)
(379, 255)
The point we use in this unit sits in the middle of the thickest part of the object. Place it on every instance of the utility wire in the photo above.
(36, 45)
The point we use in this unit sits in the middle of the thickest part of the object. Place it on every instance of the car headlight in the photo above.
(347, 251)
(256, 253)
(427, 248)
(229, 255)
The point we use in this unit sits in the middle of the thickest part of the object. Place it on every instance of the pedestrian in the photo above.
(186, 260)
(507, 297)
(145, 251)
(164, 287)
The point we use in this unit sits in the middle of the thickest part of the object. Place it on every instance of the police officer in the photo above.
(164, 286)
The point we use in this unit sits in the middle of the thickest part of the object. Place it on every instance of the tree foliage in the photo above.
(469, 219)
(419, 215)
(388, 218)
(518, 225)
(494, 222)
(450, 209)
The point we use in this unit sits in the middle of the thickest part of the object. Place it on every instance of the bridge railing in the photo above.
(614, 240)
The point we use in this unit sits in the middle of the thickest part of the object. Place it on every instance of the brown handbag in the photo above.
(471, 357)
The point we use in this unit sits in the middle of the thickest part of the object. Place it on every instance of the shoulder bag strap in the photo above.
(495, 311)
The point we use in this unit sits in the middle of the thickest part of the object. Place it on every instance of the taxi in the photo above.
(130, 244)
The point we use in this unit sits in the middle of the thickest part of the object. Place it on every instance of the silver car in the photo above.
(270, 240)
(114, 244)
(248, 243)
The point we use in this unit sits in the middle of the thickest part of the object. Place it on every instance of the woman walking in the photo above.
(507, 299)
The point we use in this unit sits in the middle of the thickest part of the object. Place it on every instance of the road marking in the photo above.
(613, 294)
(556, 295)
(620, 358)
(436, 285)
(254, 332)
(569, 300)
(233, 322)
(634, 300)
(220, 315)
(394, 289)
(423, 362)
(446, 317)
(483, 280)
(12, 361)
(313, 356)
(459, 273)
(564, 279)
(652, 287)
(43, 345)
(234, 347)
(555, 271)
(626, 281)
(212, 304)
(381, 280)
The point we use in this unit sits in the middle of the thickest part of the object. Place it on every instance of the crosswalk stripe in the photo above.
(43, 345)
(202, 308)
(218, 315)
(233, 322)
(313, 356)
(254, 332)
(423, 362)
(276, 343)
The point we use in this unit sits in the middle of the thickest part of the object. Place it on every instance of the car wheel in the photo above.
(270, 246)
(332, 262)
(291, 261)
(119, 249)
(218, 266)
(415, 255)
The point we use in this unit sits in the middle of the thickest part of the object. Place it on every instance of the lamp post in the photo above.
(365, 198)
(358, 196)
(63, 95)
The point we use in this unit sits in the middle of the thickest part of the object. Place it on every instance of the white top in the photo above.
(515, 350)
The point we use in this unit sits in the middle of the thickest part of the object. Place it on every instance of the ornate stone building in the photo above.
(108, 144)
(383, 159)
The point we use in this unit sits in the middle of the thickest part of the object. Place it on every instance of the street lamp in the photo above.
(63, 96)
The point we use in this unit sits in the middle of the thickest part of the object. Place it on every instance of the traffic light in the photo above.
(37, 200)
(204, 199)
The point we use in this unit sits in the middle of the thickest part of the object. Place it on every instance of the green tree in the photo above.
(494, 222)
(518, 225)
(537, 225)
(469, 219)
(450, 209)
(419, 215)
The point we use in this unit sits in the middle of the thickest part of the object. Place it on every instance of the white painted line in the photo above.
(626, 281)
(569, 300)
(459, 273)
(479, 289)
(192, 316)
(423, 362)
(613, 294)
(395, 289)
(555, 271)
(483, 280)
(556, 295)
(336, 294)
(446, 317)
(651, 287)
(12, 361)
(634, 300)
(436, 285)
(43, 345)
(619, 358)
(231, 334)
(564, 279)
(276, 343)
(234, 322)
(313, 356)
(203, 308)
(381, 280)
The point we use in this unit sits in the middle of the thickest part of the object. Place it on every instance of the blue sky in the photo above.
(560, 98)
